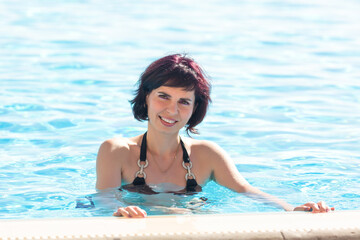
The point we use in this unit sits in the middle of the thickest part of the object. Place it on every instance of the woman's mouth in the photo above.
(167, 122)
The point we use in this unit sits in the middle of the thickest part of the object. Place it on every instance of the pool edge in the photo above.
(279, 225)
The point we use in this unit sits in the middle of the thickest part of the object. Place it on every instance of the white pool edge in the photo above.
(280, 225)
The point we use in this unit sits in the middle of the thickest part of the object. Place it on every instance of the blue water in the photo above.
(286, 93)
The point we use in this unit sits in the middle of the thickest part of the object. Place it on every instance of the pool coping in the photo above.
(279, 225)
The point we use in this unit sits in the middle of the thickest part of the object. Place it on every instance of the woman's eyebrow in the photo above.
(164, 93)
(186, 99)
(160, 92)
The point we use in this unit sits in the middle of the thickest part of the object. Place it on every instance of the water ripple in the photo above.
(61, 123)
(25, 107)
(285, 96)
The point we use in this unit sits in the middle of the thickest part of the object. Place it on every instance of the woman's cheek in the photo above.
(189, 111)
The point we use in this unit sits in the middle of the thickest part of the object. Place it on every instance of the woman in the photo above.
(173, 92)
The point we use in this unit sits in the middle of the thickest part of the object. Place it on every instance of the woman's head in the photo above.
(174, 71)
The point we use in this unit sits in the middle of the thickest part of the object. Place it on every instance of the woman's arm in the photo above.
(108, 166)
(108, 170)
(226, 174)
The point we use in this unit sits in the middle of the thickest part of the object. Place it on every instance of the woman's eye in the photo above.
(163, 96)
(184, 102)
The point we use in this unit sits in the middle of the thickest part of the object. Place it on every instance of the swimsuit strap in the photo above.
(191, 183)
(142, 163)
(143, 148)
(186, 158)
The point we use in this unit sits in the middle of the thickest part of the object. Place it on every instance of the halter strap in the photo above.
(191, 183)
(143, 148)
(186, 158)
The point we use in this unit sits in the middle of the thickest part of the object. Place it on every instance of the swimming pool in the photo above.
(285, 96)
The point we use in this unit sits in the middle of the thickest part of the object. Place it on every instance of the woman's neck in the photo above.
(160, 144)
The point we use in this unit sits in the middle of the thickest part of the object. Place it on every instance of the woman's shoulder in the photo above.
(115, 143)
(208, 152)
(202, 146)
(118, 145)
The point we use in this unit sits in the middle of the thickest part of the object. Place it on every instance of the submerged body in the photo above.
(173, 93)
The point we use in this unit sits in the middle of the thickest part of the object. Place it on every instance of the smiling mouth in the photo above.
(168, 121)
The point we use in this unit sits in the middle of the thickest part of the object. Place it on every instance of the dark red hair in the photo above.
(174, 71)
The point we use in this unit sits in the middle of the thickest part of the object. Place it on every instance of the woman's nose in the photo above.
(172, 108)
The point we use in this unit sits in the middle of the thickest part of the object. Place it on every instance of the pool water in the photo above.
(286, 98)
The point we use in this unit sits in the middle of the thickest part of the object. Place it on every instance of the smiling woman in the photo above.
(172, 106)
(173, 93)
(174, 71)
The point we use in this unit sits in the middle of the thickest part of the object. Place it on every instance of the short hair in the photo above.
(174, 71)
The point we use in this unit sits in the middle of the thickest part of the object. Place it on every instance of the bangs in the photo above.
(185, 82)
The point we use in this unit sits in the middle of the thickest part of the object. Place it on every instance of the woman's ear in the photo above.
(195, 108)
(146, 100)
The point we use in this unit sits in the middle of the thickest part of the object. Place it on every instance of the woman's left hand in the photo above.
(319, 207)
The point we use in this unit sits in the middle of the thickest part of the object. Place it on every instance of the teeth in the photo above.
(167, 120)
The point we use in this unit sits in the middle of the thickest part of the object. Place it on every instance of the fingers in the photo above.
(130, 212)
(323, 207)
(319, 207)
(308, 207)
(315, 208)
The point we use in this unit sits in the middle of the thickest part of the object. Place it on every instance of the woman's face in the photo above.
(170, 108)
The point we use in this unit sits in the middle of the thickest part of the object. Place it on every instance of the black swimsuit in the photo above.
(139, 185)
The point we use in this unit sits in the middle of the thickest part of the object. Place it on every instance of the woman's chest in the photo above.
(157, 172)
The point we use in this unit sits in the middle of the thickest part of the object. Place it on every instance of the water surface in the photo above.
(285, 96)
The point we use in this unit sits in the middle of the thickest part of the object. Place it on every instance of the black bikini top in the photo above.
(139, 185)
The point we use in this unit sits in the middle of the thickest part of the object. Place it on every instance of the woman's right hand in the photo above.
(319, 207)
(130, 212)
